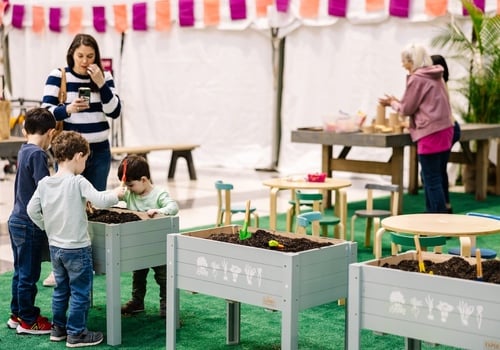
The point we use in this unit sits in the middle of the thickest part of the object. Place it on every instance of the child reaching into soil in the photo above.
(27, 240)
(142, 195)
(58, 206)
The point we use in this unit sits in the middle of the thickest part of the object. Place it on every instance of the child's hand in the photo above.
(152, 212)
(120, 191)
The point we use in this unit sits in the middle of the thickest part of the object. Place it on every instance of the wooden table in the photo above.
(278, 184)
(466, 227)
(480, 134)
(10, 147)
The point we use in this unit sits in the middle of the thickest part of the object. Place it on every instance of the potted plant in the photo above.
(479, 52)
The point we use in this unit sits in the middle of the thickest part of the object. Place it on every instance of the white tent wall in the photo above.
(210, 87)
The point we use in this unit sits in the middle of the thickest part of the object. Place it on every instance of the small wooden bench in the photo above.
(178, 151)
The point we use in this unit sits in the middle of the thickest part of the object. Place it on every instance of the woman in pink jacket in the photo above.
(427, 103)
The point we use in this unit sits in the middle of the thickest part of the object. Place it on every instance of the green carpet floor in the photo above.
(203, 317)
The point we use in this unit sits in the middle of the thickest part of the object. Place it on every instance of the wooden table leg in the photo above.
(273, 200)
(326, 158)
(482, 163)
(377, 243)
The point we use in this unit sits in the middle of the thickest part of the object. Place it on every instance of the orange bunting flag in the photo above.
(498, 7)
(309, 8)
(211, 15)
(38, 19)
(163, 19)
(75, 19)
(2, 11)
(374, 5)
(261, 7)
(436, 7)
(120, 12)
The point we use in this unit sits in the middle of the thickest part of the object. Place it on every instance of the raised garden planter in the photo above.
(419, 306)
(287, 282)
(125, 247)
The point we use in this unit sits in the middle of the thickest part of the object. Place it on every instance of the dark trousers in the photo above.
(139, 282)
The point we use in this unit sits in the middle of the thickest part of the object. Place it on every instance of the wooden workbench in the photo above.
(478, 134)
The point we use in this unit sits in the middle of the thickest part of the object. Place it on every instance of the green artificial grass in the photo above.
(203, 317)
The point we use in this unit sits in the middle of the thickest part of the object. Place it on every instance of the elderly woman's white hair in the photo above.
(417, 54)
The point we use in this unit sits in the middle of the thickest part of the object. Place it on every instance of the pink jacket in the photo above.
(426, 101)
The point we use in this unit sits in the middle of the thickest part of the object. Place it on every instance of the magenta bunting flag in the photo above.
(139, 11)
(238, 9)
(479, 4)
(337, 8)
(55, 19)
(282, 5)
(99, 18)
(17, 16)
(186, 13)
(399, 8)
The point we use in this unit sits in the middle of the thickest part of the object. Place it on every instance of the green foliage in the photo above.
(480, 54)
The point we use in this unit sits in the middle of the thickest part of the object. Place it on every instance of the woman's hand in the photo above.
(387, 100)
(96, 74)
(79, 104)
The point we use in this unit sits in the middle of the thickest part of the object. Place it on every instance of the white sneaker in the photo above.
(50, 281)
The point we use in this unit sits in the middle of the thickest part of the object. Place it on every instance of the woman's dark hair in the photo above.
(86, 40)
(438, 59)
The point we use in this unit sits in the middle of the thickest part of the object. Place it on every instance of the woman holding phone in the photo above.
(90, 99)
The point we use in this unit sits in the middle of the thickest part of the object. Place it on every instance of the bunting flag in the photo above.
(139, 21)
(186, 13)
(337, 8)
(3, 5)
(498, 7)
(75, 19)
(121, 23)
(99, 18)
(55, 14)
(436, 7)
(282, 5)
(374, 5)
(17, 16)
(211, 12)
(309, 8)
(38, 19)
(261, 7)
(479, 4)
(399, 8)
(163, 19)
(238, 9)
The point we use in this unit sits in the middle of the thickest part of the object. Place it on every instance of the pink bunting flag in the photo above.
(479, 4)
(17, 16)
(238, 9)
(186, 13)
(399, 8)
(99, 18)
(337, 8)
(282, 5)
(3, 5)
(139, 11)
(55, 14)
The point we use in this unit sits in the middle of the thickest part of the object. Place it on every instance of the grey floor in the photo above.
(197, 199)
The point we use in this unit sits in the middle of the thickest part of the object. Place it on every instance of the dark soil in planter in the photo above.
(261, 238)
(454, 267)
(111, 217)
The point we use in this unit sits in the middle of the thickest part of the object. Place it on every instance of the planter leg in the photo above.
(412, 344)
(233, 322)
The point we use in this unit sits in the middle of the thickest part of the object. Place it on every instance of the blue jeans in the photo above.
(73, 272)
(433, 170)
(27, 242)
(97, 168)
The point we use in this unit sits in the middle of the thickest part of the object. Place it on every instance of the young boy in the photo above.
(27, 240)
(58, 206)
(142, 195)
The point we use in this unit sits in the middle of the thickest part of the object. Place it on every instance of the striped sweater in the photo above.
(91, 123)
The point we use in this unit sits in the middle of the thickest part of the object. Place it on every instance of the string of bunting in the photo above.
(206, 12)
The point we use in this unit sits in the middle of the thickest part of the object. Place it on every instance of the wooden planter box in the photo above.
(130, 246)
(287, 282)
(419, 306)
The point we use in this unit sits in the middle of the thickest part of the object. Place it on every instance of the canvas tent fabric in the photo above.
(214, 85)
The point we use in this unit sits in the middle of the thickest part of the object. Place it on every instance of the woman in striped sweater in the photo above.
(89, 118)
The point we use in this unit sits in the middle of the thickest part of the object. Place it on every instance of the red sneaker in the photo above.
(40, 326)
(13, 322)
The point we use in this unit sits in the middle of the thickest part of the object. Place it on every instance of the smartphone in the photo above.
(84, 92)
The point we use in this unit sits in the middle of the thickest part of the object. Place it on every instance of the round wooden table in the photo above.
(466, 227)
(297, 183)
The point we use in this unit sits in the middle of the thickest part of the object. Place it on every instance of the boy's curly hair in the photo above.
(67, 144)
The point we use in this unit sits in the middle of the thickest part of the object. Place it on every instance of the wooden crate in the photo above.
(287, 282)
(419, 306)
